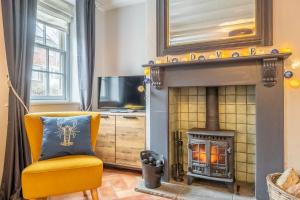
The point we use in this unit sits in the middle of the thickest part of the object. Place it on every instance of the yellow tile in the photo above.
(230, 99)
(193, 107)
(241, 138)
(241, 176)
(251, 158)
(251, 148)
(222, 118)
(184, 116)
(230, 90)
(241, 157)
(184, 124)
(184, 108)
(241, 118)
(192, 125)
(231, 118)
(241, 147)
(241, 128)
(250, 178)
(251, 99)
(193, 91)
(251, 119)
(222, 126)
(241, 99)
(230, 109)
(201, 117)
(201, 124)
(251, 89)
(230, 126)
(171, 109)
(241, 167)
(241, 109)
(251, 138)
(201, 107)
(193, 117)
(222, 109)
(251, 129)
(241, 90)
(251, 109)
(251, 168)
(184, 91)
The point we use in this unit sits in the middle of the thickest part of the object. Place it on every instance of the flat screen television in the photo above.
(121, 93)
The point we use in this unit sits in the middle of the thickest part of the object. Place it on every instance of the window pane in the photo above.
(39, 59)
(56, 84)
(54, 37)
(38, 83)
(39, 34)
(55, 64)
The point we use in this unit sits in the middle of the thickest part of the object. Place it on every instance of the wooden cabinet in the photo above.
(106, 140)
(121, 139)
(130, 140)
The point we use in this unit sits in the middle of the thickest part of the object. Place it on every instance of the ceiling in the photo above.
(112, 4)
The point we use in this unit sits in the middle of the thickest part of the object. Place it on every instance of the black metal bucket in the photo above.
(152, 168)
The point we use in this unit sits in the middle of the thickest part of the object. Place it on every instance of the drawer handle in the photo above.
(104, 116)
(130, 117)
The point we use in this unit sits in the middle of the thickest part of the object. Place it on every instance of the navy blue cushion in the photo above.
(66, 136)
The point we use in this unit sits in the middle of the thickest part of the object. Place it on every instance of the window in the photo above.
(49, 70)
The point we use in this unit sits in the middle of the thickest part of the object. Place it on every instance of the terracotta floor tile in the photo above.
(116, 185)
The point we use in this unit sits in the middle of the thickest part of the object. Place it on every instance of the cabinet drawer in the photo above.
(130, 140)
(106, 140)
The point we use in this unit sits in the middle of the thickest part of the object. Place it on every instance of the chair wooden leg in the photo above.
(85, 194)
(94, 193)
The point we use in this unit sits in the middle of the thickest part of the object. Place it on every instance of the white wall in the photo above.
(122, 34)
(3, 95)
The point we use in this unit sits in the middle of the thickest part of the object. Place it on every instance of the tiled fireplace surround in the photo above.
(259, 129)
(187, 109)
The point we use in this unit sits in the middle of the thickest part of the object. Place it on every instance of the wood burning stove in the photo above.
(211, 150)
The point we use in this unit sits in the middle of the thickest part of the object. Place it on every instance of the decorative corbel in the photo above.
(157, 77)
(269, 71)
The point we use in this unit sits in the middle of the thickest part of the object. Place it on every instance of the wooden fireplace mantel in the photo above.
(269, 63)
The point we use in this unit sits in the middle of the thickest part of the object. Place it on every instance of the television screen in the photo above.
(123, 92)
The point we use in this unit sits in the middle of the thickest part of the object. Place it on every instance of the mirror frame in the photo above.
(264, 36)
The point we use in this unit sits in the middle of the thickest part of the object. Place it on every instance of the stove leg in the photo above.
(230, 187)
(190, 180)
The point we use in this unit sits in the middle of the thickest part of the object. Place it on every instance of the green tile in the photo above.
(193, 91)
(241, 90)
(230, 90)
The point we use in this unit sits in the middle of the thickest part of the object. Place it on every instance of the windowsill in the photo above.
(52, 102)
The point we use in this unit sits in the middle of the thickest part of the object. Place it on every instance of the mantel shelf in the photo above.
(268, 62)
(220, 60)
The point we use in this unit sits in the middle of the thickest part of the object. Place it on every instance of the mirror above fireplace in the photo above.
(193, 25)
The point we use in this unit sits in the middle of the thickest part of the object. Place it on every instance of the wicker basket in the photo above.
(275, 192)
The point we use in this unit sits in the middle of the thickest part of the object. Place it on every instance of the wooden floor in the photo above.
(116, 185)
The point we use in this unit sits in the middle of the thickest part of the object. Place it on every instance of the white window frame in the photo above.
(65, 62)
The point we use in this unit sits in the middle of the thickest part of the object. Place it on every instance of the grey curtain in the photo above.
(85, 22)
(19, 17)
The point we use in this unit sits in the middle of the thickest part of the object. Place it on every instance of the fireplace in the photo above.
(258, 126)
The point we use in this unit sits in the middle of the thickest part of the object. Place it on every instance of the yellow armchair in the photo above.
(61, 175)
